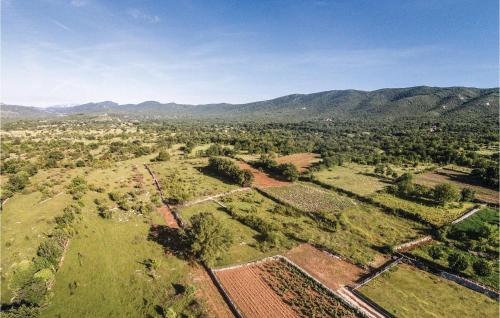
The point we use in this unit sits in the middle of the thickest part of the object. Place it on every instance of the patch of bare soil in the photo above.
(328, 269)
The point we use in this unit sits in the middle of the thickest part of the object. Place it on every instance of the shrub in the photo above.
(435, 252)
(482, 268)
(50, 250)
(467, 194)
(444, 193)
(230, 170)
(162, 156)
(457, 262)
(23, 311)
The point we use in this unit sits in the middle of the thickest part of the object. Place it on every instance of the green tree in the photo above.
(289, 171)
(482, 268)
(435, 252)
(444, 193)
(405, 183)
(467, 194)
(208, 237)
(163, 155)
(457, 262)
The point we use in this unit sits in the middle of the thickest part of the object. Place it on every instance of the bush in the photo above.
(230, 170)
(467, 194)
(162, 156)
(457, 262)
(50, 250)
(444, 193)
(22, 311)
(435, 252)
(482, 268)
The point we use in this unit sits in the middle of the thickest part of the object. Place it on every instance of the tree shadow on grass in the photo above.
(172, 241)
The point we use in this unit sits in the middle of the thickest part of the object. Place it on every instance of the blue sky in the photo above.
(75, 51)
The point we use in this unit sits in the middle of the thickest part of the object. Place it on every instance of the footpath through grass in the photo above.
(408, 292)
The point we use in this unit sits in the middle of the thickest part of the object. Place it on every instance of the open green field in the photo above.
(434, 214)
(245, 247)
(27, 217)
(357, 234)
(354, 178)
(185, 178)
(474, 222)
(309, 199)
(406, 291)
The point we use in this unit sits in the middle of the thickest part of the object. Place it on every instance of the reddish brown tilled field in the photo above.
(261, 179)
(301, 160)
(252, 295)
(275, 288)
(331, 271)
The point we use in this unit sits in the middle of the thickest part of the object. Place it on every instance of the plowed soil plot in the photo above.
(261, 179)
(328, 269)
(301, 160)
(461, 180)
(168, 217)
(276, 289)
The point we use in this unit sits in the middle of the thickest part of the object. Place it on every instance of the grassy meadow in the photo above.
(408, 292)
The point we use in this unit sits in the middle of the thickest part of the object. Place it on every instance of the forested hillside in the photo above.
(391, 103)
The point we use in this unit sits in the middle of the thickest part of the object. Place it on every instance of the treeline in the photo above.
(286, 171)
(228, 169)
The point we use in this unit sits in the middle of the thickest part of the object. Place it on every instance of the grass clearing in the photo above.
(245, 247)
(361, 229)
(434, 214)
(184, 178)
(354, 178)
(406, 291)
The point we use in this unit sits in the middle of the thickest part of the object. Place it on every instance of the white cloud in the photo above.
(59, 24)
(79, 3)
(138, 14)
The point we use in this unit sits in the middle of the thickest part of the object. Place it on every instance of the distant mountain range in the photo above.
(389, 103)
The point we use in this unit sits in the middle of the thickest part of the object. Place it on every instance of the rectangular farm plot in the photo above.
(329, 269)
(434, 214)
(461, 180)
(353, 178)
(309, 199)
(360, 228)
(274, 288)
(245, 247)
(408, 292)
(185, 180)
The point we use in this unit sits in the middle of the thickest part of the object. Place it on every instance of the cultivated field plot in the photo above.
(302, 160)
(461, 180)
(358, 232)
(184, 179)
(332, 271)
(275, 288)
(245, 247)
(436, 215)
(353, 178)
(261, 179)
(309, 199)
(406, 291)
